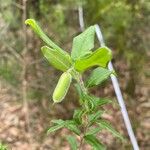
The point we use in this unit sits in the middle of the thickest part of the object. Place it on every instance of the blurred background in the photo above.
(27, 80)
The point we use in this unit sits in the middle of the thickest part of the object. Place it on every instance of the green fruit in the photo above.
(62, 87)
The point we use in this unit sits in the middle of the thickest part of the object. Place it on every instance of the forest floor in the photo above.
(21, 130)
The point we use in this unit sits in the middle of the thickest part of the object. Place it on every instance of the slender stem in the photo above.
(85, 127)
(82, 85)
(85, 123)
(24, 70)
(79, 80)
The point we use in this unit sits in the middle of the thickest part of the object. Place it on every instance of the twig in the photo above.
(85, 123)
(24, 69)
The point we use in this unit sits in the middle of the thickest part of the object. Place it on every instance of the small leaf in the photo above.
(73, 128)
(73, 143)
(79, 90)
(58, 121)
(55, 128)
(105, 125)
(98, 76)
(92, 131)
(94, 142)
(36, 28)
(56, 59)
(80, 93)
(100, 58)
(71, 125)
(83, 43)
(89, 103)
(92, 102)
(93, 117)
(101, 101)
(77, 116)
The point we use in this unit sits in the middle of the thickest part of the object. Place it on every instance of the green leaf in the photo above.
(77, 116)
(79, 90)
(55, 128)
(58, 121)
(36, 28)
(100, 58)
(71, 125)
(101, 101)
(58, 60)
(93, 131)
(97, 76)
(3, 146)
(72, 141)
(105, 125)
(94, 142)
(94, 117)
(92, 102)
(83, 43)
(89, 103)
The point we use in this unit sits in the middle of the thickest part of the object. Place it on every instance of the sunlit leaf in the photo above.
(100, 57)
(83, 43)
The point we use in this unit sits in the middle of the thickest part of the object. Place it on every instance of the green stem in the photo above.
(79, 80)
(81, 83)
